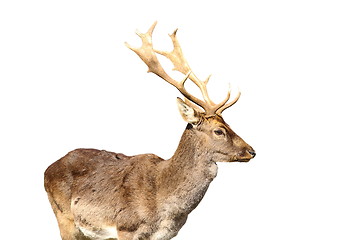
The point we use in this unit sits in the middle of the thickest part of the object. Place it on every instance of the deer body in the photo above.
(156, 194)
(104, 195)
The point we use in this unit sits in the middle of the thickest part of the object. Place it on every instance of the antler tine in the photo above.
(147, 54)
(229, 104)
(176, 56)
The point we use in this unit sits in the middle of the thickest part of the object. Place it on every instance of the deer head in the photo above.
(204, 116)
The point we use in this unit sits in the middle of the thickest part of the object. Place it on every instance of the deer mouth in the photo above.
(241, 158)
(237, 159)
(245, 156)
(245, 160)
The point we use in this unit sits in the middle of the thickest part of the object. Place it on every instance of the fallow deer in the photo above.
(105, 195)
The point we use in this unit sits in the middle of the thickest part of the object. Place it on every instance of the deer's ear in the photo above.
(188, 113)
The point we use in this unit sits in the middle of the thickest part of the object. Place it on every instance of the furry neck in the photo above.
(187, 175)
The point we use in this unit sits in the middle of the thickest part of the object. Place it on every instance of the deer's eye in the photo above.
(219, 132)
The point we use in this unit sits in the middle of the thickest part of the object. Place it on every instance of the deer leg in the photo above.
(168, 229)
(68, 230)
(66, 225)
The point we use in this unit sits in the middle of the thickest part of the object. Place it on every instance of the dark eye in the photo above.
(219, 132)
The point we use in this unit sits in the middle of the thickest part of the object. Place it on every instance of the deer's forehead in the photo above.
(216, 122)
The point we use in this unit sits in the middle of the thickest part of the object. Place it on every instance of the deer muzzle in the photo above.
(245, 155)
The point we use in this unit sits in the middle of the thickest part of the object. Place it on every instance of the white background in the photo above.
(68, 81)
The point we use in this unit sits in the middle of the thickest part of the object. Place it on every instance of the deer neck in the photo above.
(187, 175)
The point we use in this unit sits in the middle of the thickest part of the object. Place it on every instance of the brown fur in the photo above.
(142, 196)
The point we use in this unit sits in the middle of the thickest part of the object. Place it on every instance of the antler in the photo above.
(148, 55)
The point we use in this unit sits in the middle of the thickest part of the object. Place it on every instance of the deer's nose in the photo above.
(252, 153)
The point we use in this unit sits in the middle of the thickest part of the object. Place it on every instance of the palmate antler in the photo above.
(148, 54)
